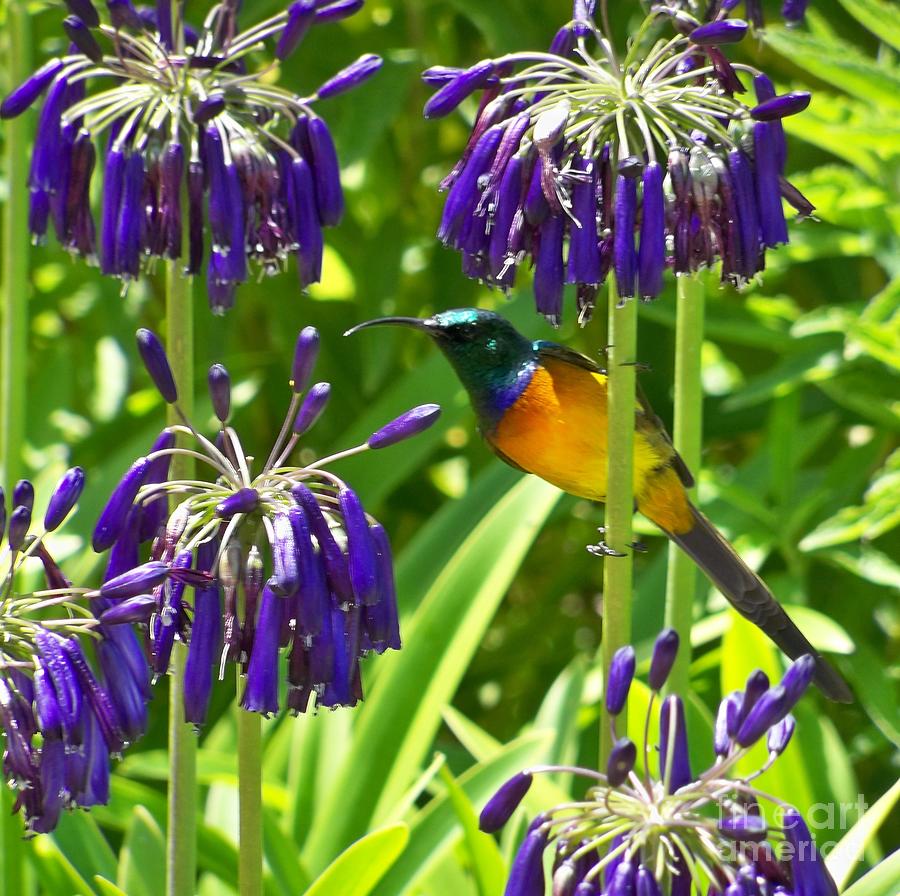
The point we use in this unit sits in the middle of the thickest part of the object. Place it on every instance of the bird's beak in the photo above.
(417, 323)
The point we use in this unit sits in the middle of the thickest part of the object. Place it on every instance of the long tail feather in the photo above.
(750, 597)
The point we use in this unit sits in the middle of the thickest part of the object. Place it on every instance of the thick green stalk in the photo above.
(617, 571)
(181, 847)
(14, 313)
(687, 434)
(14, 351)
(250, 847)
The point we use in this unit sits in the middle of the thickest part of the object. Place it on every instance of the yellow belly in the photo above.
(557, 430)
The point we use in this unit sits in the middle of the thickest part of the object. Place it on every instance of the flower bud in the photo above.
(744, 828)
(454, 92)
(727, 722)
(624, 256)
(113, 515)
(673, 736)
(440, 74)
(157, 363)
(80, 35)
(621, 761)
(23, 494)
(244, 500)
(768, 192)
(770, 709)
(85, 11)
(136, 609)
(526, 878)
(563, 41)
(619, 678)
(809, 873)
(797, 678)
(19, 522)
(312, 408)
(27, 92)
(285, 572)
(334, 12)
(206, 110)
(300, 16)
(347, 78)
(652, 247)
(781, 106)
(725, 31)
(500, 807)
(781, 734)
(665, 650)
(794, 11)
(305, 353)
(622, 880)
(123, 15)
(326, 173)
(64, 497)
(136, 581)
(549, 274)
(360, 547)
(409, 424)
(645, 884)
(220, 391)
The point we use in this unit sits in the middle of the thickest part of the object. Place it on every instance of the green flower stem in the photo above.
(14, 312)
(681, 580)
(250, 847)
(617, 571)
(14, 352)
(181, 847)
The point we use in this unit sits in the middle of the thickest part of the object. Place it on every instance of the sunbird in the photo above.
(541, 407)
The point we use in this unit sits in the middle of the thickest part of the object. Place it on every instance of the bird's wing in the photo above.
(562, 353)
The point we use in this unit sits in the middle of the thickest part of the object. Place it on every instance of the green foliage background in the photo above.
(499, 597)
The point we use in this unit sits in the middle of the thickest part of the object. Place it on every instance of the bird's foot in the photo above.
(640, 366)
(602, 549)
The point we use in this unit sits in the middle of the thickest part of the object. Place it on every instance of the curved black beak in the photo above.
(416, 323)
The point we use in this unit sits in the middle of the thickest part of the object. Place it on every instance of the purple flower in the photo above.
(618, 683)
(306, 351)
(457, 89)
(313, 407)
(157, 363)
(300, 16)
(407, 425)
(65, 496)
(724, 31)
(781, 106)
(665, 651)
(220, 391)
(112, 517)
(621, 761)
(26, 93)
(500, 807)
(352, 76)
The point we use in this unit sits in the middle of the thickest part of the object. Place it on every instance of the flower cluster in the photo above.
(635, 164)
(185, 115)
(62, 721)
(793, 11)
(282, 558)
(674, 832)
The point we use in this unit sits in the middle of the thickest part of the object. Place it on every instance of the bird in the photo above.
(541, 407)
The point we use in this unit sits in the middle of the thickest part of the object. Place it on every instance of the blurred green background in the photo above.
(499, 597)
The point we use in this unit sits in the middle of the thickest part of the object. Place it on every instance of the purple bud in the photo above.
(360, 547)
(549, 274)
(112, 517)
(768, 191)
(781, 106)
(652, 249)
(23, 494)
(19, 521)
(138, 608)
(80, 35)
(195, 216)
(725, 31)
(261, 691)
(621, 761)
(306, 350)
(220, 391)
(757, 685)
(49, 715)
(665, 650)
(136, 581)
(673, 736)
(407, 425)
(624, 256)
(85, 11)
(747, 215)
(157, 363)
(440, 74)
(808, 872)
(622, 880)
(66, 494)
(244, 500)
(113, 183)
(131, 216)
(300, 17)
(126, 685)
(326, 173)
(340, 9)
(500, 807)
(584, 249)
(285, 572)
(798, 677)
(123, 15)
(526, 878)
(382, 620)
(154, 512)
(313, 405)
(645, 883)
(770, 709)
(727, 722)
(563, 42)
(780, 735)
(351, 76)
(313, 599)
(306, 219)
(794, 11)
(619, 678)
(206, 636)
(206, 110)
(27, 92)
(164, 23)
(744, 828)
(454, 92)
(2, 512)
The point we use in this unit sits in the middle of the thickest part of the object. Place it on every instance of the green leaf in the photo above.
(880, 702)
(878, 16)
(357, 870)
(882, 880)
(57, 873)
(142, 860)
(484, 854)
(396, 725)
(842, 860)
(107, 887)
(79, 837)
(282, 855)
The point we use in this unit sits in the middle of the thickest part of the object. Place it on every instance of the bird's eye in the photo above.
(491, 345)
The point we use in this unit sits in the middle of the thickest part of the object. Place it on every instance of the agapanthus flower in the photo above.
(657, 827)
(589, 162)
(792, 11)
(194, 137)
(62, 719)
(283, 557)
